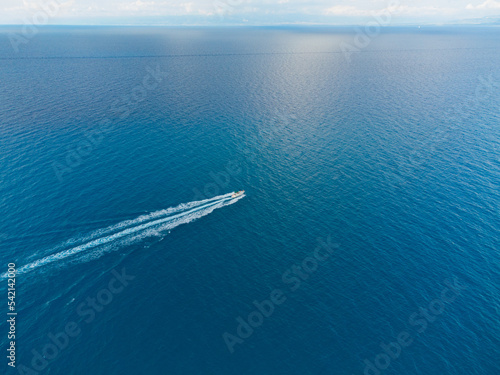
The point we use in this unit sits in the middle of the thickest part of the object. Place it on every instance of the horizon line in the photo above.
(414, 24)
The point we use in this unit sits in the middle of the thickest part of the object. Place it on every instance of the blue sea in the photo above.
(366, 242)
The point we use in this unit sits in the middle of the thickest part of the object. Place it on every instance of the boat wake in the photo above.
(127, 232)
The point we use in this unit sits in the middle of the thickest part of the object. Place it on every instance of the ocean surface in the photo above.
(367, 241)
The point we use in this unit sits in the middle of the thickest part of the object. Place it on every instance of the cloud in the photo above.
(488, 4)
(425, 10)
(255, 11)
(345, 10)
(139, 5)
(162, 8)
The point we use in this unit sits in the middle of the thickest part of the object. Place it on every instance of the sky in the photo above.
(241, 12)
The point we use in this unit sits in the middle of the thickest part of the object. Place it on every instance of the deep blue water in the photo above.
(393, 154)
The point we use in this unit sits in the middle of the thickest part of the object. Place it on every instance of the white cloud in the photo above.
(255, 11)
(30, 5)
(144, 7)
(488, 4)
(139, 5)
(425, 11)
(345, 10)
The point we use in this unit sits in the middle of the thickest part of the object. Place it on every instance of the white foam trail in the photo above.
(143, 218)
(140, 231)
(155, 231)
(128, 223)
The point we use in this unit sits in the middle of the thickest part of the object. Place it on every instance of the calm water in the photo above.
(391, 154)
